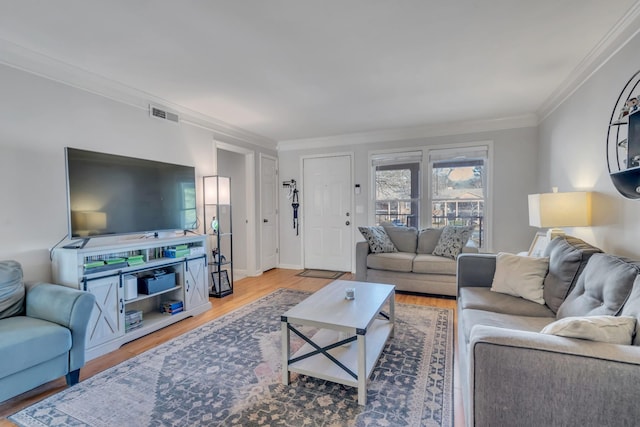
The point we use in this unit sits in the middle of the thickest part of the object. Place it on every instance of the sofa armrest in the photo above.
(362, 250)
(528, 378)
(65, 306)
(476, 270)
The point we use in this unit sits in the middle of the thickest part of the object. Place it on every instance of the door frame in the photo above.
(250, 195)
(276, 201)
(351, 155)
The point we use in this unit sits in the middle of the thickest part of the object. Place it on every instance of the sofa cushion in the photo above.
(30, 342)
(471, 318)
(632, 308)
(11, 289)
(379, 241)
(609, 329)
(395, 261)
(405, 239)
(568, 257)
(520, 276)
(602, 289)
(433, 264)
(428, 239)
(452, 240)
(482, 298)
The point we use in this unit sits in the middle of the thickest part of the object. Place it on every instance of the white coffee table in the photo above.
(351, 337)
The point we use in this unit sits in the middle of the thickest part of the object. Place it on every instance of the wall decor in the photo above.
(623, 140)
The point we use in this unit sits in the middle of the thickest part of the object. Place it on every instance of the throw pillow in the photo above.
(609, 329)
(379, 241)
(11, 289)
(520, 276)
(452, 240)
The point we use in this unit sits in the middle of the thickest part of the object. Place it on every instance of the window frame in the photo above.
(438, 154)
(400, 158)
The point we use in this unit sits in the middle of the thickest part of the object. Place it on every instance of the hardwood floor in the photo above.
(245, 291)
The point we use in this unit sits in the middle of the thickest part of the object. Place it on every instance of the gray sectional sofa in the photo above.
(512, 374)
(414, 267)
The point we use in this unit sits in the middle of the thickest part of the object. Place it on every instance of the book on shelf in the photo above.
(173, 311)
(135, 260)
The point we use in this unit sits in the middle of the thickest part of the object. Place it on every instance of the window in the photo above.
(397, 188)
(458, 189)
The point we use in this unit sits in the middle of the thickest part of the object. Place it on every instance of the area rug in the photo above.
(228, 373)
(321, 274)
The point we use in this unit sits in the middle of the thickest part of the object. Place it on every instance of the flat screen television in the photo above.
(109, 194)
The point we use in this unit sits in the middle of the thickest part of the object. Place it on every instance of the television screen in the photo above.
(109, 194)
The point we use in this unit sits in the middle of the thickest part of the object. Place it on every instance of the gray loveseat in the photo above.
(42, 334)
(414, 267)
(514, 375)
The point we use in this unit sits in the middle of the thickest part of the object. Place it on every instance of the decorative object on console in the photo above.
(554, 210)
(623, 140)
(539, 244)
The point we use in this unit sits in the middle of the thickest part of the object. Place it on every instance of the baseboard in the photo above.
(290, 267)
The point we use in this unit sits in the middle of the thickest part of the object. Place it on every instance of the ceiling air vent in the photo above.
(161, 114)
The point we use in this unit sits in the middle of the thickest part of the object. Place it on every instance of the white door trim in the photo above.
(277, 225)
(250, 177)
(351, 155)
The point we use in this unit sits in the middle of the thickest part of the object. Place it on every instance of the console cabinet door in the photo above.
(107, 317)
(196, 291)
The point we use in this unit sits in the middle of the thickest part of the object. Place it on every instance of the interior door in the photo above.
(327, 221)
(269, 221)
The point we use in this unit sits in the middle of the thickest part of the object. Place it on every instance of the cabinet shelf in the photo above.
(142, 297)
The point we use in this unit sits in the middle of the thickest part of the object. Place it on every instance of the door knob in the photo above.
(347, 223)
(265, 220)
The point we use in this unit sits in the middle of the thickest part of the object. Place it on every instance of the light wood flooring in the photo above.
(245, 291)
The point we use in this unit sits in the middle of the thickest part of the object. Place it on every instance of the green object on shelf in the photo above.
(115, 260)
(94, 264)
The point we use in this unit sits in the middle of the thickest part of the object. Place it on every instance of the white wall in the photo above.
(38, 118)
(573, 157)
(514, 176)
(232, 165)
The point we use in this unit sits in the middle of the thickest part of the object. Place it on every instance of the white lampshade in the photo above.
(552, 210)
(215, 184)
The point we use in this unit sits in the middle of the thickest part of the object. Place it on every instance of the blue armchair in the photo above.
(42, 332)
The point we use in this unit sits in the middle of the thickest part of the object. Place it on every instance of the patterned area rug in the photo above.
(228, 373)
(321, 274)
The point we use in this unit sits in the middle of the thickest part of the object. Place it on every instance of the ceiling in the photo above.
(295, 70)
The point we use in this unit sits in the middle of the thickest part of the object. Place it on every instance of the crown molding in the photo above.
(399, 134)
(21, 58)
(625, 29)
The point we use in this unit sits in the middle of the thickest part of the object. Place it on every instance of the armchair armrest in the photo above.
(362, 250)
(476, 270)
(67, 307)
(527, 378)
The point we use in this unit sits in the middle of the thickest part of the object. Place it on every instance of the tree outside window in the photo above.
(458, 195)
(397, 194)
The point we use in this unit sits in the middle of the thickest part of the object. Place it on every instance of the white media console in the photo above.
(106, 270)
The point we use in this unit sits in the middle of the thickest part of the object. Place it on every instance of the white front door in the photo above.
(269, 221)
(326, 208)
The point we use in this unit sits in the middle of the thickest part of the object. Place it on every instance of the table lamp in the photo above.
(555, 210)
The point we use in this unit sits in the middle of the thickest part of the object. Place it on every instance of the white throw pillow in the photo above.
(520, 276)
(609, 329)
